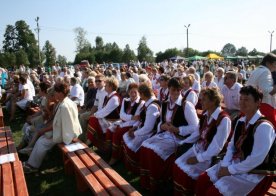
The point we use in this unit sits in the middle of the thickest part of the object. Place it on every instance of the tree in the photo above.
(128, 55)
(10, 39)
(274, 51)
(191, 52)
(99, 43)
(144, 52)
(10, 59)
(228, 50)
(242, 51)
(160, 56)
(19, 37)
(80, 39)
(253, 52)
(50, 54)
(22, 57)
(205, 53)
(61, 60)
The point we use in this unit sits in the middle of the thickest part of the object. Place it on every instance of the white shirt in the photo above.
(78, 92)
(263, 139)
(220, 82)
(32, 88)
(27, 89)
(262, 79)
(151, 115)
(111, 105)
(212, 84)
(127, 117)
(154, 81)
(223, 131)
(192, 96)
(100, 95)
(165, 93)
(196, 86)
(232, 96)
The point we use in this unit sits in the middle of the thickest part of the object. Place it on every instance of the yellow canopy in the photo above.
(214, 56)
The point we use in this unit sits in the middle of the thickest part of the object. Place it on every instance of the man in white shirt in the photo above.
(76, 92)
(231, 94)
(98, 104)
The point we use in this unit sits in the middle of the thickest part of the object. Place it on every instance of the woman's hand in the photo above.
(136, 118)
(223, 171)
(173, 129)
(192, 160)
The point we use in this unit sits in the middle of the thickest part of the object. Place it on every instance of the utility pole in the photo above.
(271, 34)
(187, 27)
(37, 30)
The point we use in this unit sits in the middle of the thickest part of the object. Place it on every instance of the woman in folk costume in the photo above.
(103, 118)
(142, 130)
(248, 157)
(188, 93)
(163, 92)
(129, 114)
(179, 124)
(214, 130)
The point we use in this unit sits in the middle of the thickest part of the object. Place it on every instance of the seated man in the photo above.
(76, 92)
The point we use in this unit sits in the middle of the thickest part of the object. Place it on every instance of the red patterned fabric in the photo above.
(269, 112)
(205, 186)
(131, 160)
(183, 184)
(116, 138)
(154, 170)
(96, 135)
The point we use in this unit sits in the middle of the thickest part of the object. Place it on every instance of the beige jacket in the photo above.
(66, 124)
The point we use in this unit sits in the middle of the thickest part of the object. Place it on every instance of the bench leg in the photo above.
(81, 185)
(68, 166)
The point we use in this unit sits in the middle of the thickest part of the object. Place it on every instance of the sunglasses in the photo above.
(98, 80)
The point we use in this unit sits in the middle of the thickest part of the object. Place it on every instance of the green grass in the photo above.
(51, 180)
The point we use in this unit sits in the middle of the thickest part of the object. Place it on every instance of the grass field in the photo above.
(51, 180)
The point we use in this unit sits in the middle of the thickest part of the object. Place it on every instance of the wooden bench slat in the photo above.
(112, 174)
(1, 118)
(99, 174)
(8, 185)
(91, 181)
(19, 179)
(3, 141)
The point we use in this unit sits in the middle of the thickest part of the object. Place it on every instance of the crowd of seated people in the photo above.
(165, 123)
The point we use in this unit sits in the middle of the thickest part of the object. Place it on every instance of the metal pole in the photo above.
(187, 27)
(38, 29)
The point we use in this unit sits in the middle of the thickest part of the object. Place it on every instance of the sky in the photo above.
(213, 23)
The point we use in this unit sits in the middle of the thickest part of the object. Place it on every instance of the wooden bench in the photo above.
(93, 172)
(272, 189)
(12, 180)
(1, 118)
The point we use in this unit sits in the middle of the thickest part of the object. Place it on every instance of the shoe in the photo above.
(112, 162)
(28, 169)
(27, 150)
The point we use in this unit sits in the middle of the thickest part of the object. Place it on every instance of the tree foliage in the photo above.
(80, 39)
(50, 54)
(242, 51)
(20, 38)
(21, 57)
(144, 52)
(128, 55)
(171, 52)
(228, 50)
(61, 60)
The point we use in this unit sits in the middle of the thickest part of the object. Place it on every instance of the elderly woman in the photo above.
(64, 129)
(129, 114)
(142, 130)
(248, 157)
(208, 80)
(219, 79)
(187, 92)
(103, 118)
(214, 130)
(179, 124)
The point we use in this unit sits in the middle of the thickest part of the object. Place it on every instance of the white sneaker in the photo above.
(26, 150)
